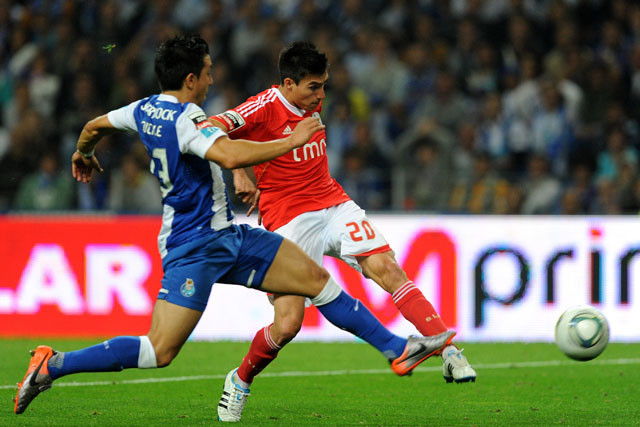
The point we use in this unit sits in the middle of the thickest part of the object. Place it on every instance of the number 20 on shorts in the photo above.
(356, 233)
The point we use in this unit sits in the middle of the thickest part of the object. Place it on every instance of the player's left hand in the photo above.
(254, 206)
(245, 188)
(82, 167)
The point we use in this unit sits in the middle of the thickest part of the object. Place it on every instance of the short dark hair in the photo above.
(301, 59)
(178, 57)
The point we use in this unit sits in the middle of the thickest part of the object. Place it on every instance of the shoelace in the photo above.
(457, 358)
(238, 400)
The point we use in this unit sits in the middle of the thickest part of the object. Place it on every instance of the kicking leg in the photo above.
(170, 327)
(385, 271)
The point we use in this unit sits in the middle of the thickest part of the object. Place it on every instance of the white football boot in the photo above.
(456, 367)
(233, 399)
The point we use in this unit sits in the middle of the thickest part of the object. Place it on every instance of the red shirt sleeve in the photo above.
(243, 120)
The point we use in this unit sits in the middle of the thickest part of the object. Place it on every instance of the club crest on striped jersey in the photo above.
(316, 115)
(188, 288)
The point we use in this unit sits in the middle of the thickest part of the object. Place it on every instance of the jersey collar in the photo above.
(295, 110)
(168, 98)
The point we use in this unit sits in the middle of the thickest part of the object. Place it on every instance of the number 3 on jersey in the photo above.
(163, 173)
(356, 233)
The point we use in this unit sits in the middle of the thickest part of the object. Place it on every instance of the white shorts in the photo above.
(342, 231)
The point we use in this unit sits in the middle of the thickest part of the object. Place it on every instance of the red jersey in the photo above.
(296, 182)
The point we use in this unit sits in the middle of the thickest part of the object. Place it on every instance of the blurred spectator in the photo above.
(616, 157)
(462, 54)
(483, 76)
(485, 193)
(553, 131)
(448, 106)
(599, 92)
(521, 41)
(607, 201)
(493, 132)
(580, 192)
(541, 189)
(340, 134)
(47, 189)
(383, 76)
(612, 48)
(340, 87)
(422, 73)
(43, 87)
(133, 189)
(359, 181)
(17, 105)
(365, 179)
(462, 155)
(14, 166)
(429, 177)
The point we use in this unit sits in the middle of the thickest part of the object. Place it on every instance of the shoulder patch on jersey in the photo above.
(208, 131)
(232, 119)
(198, 117)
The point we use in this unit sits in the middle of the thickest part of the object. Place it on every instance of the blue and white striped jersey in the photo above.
(176, 137)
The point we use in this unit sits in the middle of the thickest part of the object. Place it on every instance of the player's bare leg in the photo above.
(385, 271)
(171, 326)
(292, 272)
(288, 317)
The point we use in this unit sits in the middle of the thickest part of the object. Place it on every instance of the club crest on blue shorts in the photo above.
(188, 288)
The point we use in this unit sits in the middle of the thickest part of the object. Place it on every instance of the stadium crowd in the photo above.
(461, 106)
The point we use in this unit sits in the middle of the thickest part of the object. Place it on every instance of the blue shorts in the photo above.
(238, 255)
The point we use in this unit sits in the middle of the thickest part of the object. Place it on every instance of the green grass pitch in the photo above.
(339, 384)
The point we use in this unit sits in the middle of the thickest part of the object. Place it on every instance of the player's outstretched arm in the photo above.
(238, 153)
(218, 123)
(83, 161)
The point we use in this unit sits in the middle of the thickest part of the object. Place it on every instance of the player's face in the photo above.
(204, 81)
(308, 93)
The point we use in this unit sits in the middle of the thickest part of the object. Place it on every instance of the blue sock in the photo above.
(351, 315)
(115, 354)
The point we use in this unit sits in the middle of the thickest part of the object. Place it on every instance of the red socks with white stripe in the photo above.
(262, 351)
(417, 310)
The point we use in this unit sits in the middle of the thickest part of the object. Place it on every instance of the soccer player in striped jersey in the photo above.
(198, 242)
(300, 200)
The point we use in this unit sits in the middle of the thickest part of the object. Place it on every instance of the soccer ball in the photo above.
(582, 332)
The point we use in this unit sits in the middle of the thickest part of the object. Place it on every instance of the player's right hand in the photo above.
(82, 168)
(305, 130)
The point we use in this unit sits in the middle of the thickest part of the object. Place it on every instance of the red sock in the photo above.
(262, 351)
(417, 310)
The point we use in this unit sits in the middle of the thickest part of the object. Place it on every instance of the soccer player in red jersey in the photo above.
(300, 200)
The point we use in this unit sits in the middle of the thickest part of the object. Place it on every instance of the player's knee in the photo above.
(164, 356)
(319, 275)
(386, 268)
(286, 330)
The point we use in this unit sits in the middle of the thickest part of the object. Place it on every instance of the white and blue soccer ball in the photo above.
(582, 333)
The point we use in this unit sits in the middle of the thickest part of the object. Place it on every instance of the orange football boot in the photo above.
(36, 379)
(419, 349)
